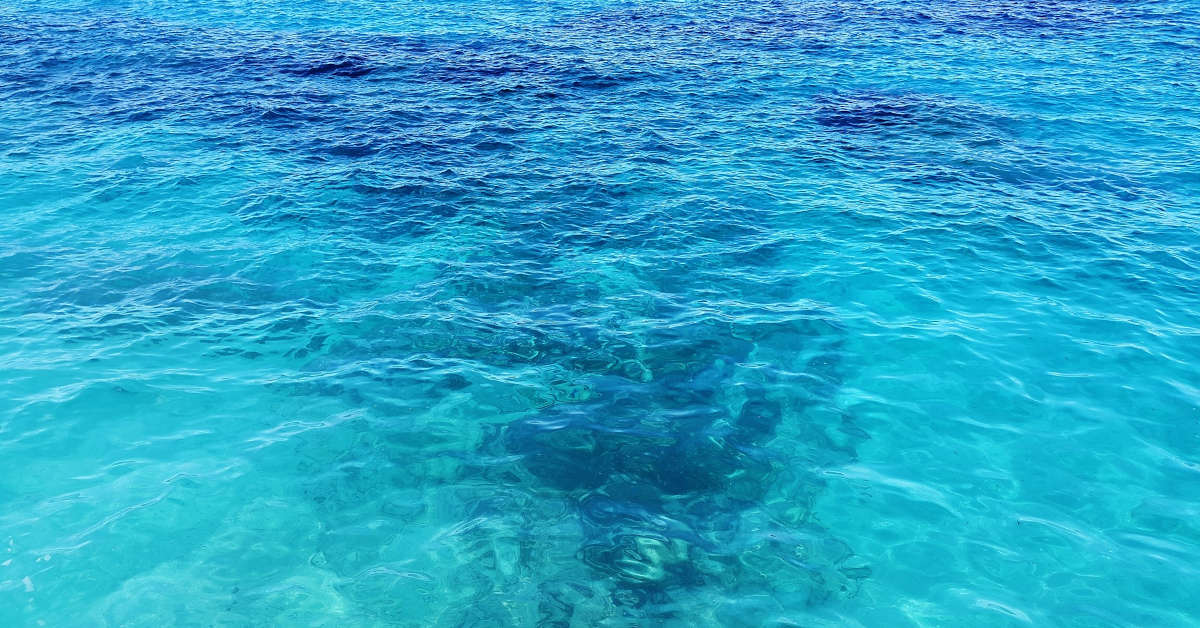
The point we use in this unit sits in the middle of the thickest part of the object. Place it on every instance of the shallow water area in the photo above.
(589, 313)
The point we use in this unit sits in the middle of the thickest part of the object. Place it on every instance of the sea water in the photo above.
(599, 313)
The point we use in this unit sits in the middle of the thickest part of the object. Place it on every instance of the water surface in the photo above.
(589, 313)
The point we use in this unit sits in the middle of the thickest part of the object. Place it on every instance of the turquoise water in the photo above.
(590, 313)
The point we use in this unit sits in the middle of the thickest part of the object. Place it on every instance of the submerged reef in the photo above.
(663, 457)
(659, 471)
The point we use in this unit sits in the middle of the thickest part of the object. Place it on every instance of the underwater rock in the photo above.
(659, 470)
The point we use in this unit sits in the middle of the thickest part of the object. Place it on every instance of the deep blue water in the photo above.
(588, 313)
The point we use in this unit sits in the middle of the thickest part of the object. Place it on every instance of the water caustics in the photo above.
(585, 313)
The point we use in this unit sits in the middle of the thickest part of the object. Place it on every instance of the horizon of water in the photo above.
(592, 313)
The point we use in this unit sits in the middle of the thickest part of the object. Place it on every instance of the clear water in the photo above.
(599, 313)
